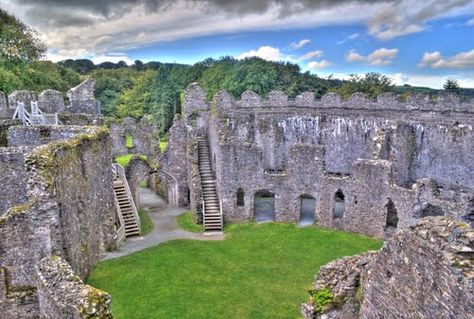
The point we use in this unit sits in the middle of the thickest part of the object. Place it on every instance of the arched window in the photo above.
(240, 197)
(392, 215)
(339, 205)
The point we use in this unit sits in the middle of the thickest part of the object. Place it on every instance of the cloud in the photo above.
(111, 58)
(319, 64)
(107, 25)
(435, 60)
(312, 55)
(379, 57)
(300, 44)
(353, 56)
(432, 81)
(405, 17)
(470, 22)
(353, 36)
(265, 52)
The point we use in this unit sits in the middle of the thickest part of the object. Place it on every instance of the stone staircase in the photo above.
(125, 204)
(212, 210)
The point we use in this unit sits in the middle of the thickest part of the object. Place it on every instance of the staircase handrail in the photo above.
(120, 172)
(203, 213)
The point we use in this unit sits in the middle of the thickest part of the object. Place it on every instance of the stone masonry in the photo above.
(59, 202)
(382, 164)
(423, 272)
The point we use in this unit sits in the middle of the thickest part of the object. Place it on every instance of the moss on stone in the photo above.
(323, 299)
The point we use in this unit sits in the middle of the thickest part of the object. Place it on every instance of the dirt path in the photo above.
(165, 227)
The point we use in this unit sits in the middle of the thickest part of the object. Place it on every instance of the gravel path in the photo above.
(165, 227)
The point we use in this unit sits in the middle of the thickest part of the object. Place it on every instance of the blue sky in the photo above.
(414, 42)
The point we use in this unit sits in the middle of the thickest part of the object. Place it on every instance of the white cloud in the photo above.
(265, 52)
(379, 57)
(319, 64)
(111, 58)
(300, 44)
(400, 18)
(353, 56)
(470, 22)
(435, 60)
(353, 36)
(312, 55)
(432, 81)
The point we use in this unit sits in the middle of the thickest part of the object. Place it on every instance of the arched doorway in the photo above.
(264, 206)
(307, 210)
(391, 221)
(339, 205)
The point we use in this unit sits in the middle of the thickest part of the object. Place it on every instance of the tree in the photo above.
(452, 86)
(371, 84)
(18, 42)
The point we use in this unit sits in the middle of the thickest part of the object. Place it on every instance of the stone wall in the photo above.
(422, 272)
(144, 136)
(62, 294)
(36, 135)
(386, 157)
(81, 103)
(69, 212)
(13, 177)
(81, 99)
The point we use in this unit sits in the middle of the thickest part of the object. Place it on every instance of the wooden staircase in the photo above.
(211, 208)
(126, 209)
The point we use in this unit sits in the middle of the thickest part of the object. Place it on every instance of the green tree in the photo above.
(452, 86)
(18, 42)
(371, 84)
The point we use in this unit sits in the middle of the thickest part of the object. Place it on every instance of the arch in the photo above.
(264, 206)
(307, 209)
(240, 197)
(161, 182)
(391, 221)
(339, 205)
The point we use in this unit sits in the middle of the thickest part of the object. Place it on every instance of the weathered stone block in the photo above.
(51, 101)
(250, 99)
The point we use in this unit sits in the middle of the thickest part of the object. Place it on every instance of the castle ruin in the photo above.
(400, 170)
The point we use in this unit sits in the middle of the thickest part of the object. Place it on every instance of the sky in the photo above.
(416, 42)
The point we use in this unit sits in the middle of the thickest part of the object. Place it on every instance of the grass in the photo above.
(258, 271)
(145, 221)
(186, 222)
(129, 141)
(125, 159)
(163, 146)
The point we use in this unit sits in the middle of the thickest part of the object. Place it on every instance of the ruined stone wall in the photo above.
(422, 272)
(81, 104)
(69, 213)
(174, 162)
(82, 99)
(62, 294)
(377, 153)
(144, 136)
(36, 135)
(13, 177)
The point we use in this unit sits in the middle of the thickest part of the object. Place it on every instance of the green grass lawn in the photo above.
(186, 222)
(258, 271)
(145, 222)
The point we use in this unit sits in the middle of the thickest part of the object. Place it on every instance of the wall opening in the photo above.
(391, 222)
(240, 197)
(429, 210)
(307, 209)
(339, 205)
(264, 206)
